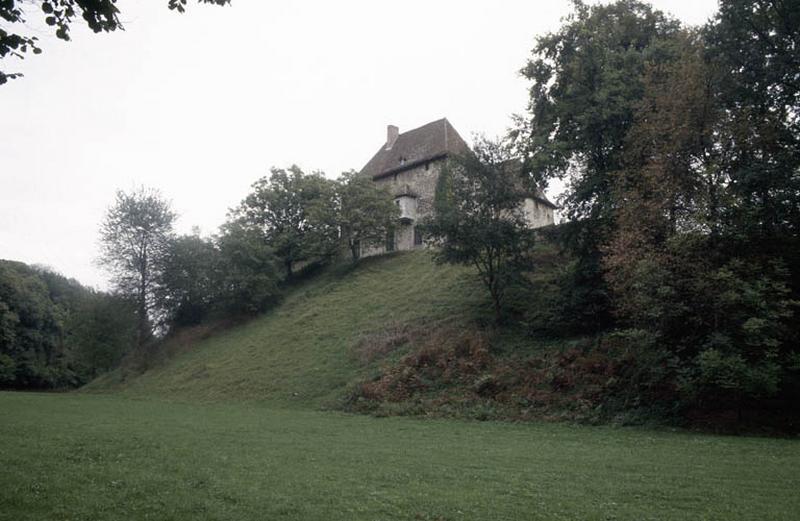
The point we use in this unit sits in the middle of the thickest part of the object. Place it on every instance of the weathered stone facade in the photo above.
(538, 213)
(414, 191)
(408, 166)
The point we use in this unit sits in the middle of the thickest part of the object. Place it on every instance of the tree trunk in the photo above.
(143, 328)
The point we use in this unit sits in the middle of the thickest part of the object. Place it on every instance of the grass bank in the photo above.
(303, 352)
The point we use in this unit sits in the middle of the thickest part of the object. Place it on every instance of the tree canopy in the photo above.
(134, 239)
(54, 332)
(366, 213)
(295, 214)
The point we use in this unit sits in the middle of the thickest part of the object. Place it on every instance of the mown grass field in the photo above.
(232, 426)
(73, 456)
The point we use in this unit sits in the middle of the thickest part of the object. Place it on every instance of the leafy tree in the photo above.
(250, 274)
(754, 45)
(669, 184)
(688, 260)
(31, 330)
(98, 15)
(586, 83)
(190, 280)
(295, 213)
(98, 331)
(479, 218)
(365, 211)
(135, 238)
(55, 332)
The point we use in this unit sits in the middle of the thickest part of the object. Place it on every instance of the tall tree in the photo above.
(755, 44)
(586, 82)
(479, 219)
(366, 212)
(134, 239)
(295, 213)
(98, 15)
(688, 260)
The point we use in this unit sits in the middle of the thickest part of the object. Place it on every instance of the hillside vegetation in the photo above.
(304, 351)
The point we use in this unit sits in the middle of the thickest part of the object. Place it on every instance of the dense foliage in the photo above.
(56, 333)
(682, 152)
(585, 84)
(295, 213)
(365, 212)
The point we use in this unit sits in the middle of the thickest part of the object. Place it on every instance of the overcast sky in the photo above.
(200, 105)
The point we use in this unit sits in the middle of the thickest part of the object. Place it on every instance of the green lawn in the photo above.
(79, 456)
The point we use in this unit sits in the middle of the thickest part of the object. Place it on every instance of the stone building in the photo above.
(408, 165)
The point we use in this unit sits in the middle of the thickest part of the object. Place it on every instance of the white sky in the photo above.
(200, 105)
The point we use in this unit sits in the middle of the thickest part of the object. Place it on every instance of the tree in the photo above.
(250, 274)
(99, 16)
(190, 281)
(295, 214)
(98, 331)
(54, 332)
(754, 45)
(479, 218)
(586, 83)
(669, 185)
(134, 240)
(365, 211)
(696, 257)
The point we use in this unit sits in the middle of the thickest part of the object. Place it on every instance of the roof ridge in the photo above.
(428, 124)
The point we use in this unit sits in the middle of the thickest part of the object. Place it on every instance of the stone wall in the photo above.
(419, 181)
(538, 214)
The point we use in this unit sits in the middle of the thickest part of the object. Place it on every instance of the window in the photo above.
(417, 237)
(390, 240)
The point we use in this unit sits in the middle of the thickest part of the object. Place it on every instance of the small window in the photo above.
(417, 237)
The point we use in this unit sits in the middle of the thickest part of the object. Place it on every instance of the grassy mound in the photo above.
(305, 351)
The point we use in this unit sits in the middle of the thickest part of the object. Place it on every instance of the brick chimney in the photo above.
(391, 135)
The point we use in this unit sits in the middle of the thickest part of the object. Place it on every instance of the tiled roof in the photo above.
(433, 141)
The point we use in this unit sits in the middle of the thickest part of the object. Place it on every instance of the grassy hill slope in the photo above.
(302, 352)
